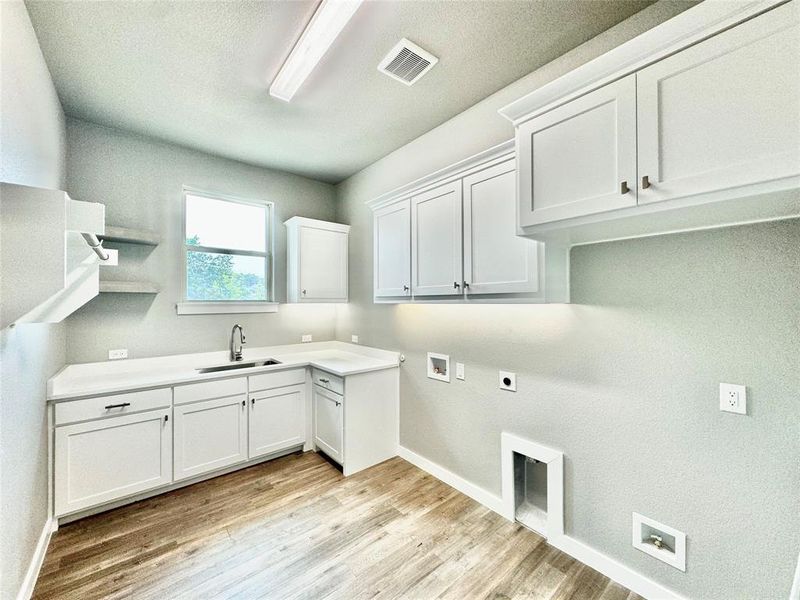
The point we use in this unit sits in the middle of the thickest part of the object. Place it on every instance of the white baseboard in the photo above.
(467, 488)
(32, 574)
(609, 567)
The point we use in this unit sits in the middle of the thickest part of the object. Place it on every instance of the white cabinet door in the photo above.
(724, 113)
(108, 459)
(277, 419)
(496, 259)
(436, 251)
(328, 423)
(392, 250)
(579, 158)
(210, 435)
(323, 265)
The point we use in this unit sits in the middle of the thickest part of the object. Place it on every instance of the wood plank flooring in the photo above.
(295, 528)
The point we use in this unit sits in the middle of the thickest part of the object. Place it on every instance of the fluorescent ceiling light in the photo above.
(327, 23)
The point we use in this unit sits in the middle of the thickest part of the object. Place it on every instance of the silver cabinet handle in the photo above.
(304, 292)
(455, 285)
(243, 403)
(466, 285)
(645, 182)
(623, 188)
(324, 380)
(166, 418)
(123, 405)
(405, 288)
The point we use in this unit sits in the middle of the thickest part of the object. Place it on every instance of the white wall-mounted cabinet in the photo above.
(40, 232)
(460, 226)
(495, 260)
(316, 260)
(103, 460)
(436, 241)
(580, 158)
(392, 250)
(681, 128)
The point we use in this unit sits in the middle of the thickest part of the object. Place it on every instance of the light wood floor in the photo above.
(295, 528)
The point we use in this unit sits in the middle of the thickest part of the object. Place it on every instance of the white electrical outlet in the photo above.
(733, 398)
(118, 354)
(508, 381)
(354, 339)
(460, 371)
(306, 337)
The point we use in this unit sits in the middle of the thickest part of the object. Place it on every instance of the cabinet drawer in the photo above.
(110, 406)
(268, 381)
(328, 381)
(210, 389)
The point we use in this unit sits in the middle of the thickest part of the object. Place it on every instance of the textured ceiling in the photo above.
(197, 73)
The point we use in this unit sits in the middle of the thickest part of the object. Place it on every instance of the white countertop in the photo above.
(93, 379)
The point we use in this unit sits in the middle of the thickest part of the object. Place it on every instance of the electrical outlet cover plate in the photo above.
(733, 398)
(508, 381)
(354, 339)
(306, 337)
(460, 371)
(118, 354)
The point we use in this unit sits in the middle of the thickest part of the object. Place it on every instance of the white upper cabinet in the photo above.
(691, 125)
(580, 158)
(316, 260)
(392, 250)
(436, 254)
(723, 113)
(496, 260)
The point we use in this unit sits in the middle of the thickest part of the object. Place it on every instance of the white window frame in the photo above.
(200, 307)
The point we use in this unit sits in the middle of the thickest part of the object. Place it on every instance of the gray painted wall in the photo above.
(139, 180)
(624, 380)
(31, 153)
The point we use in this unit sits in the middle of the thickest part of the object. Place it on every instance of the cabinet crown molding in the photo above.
(690, 27)
(329, 225)
(459, 169)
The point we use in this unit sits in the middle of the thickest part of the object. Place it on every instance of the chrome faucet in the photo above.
(237, 354)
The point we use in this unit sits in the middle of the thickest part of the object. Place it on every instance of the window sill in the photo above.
(219, 308)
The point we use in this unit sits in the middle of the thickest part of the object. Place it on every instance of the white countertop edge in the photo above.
(185, 364)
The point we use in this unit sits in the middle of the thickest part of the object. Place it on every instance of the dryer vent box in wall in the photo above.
(407, 62)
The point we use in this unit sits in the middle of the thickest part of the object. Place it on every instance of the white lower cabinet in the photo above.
(103, 460)
(329, 423)
(277, 419)
(210, 435)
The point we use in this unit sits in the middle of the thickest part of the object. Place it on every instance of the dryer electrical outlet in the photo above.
(508, 381)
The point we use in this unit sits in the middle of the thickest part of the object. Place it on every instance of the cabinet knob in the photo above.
(405, 288)
(466, 285)
(253, 401)
(243, 403)
(645, 182)
(166, 418)
(623, 188)
(304, 292)
(455, 285)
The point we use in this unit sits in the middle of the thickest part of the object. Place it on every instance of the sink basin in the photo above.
(240, 365)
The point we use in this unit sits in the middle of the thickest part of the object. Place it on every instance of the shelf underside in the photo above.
(128, 287)
(130, 236)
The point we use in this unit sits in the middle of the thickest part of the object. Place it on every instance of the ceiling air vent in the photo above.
(407, 62)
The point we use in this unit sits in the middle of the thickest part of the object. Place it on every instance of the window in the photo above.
(228, 258)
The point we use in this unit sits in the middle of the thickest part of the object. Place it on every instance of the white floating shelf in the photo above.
(130, 236)
(128, 287)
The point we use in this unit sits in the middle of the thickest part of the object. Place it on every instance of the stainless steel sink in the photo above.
(240, 365)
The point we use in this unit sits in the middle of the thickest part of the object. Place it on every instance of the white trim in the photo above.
(509, 444)
(609, 567)
(32, 574)
(457, 170)
(794, 593)
(467, 488)
(218, 308)
(690, 27)
(613, 569)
